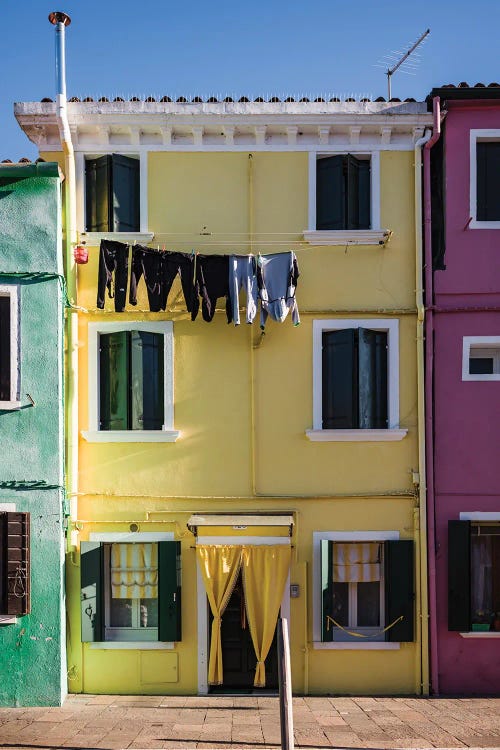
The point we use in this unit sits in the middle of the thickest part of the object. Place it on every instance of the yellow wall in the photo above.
(243, 404)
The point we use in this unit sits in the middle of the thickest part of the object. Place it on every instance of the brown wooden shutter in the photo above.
(15, 568)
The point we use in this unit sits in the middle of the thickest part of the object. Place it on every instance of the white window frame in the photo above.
(393, 432)
(93, 238)
(128, 537)
(478, 135)
(344, 536)
(373, 236)
(12, 292)
(167, 434)
(491, 347)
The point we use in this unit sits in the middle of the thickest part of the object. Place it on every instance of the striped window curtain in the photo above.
(356, 562)
(134, 571)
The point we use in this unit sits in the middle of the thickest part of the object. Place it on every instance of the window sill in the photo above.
(132, 645)
(7, 620)
(347, 236)
(355, 436)
(475, 224)
(349, 645)
(10, 405)
(131, 436)
(481, 634)
(93, 239)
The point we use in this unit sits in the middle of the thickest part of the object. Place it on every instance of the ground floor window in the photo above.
(131, 591)
(367, 590)
(473, 576)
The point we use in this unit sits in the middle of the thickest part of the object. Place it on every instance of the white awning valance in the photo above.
(239, 521)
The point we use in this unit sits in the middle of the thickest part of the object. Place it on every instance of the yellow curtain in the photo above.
(265, 571)
(134, 571)
(219, 566)
(355, 562)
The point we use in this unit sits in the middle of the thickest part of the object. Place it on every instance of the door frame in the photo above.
(202, 603)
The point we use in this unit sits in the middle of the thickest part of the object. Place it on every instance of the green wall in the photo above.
(32, 652)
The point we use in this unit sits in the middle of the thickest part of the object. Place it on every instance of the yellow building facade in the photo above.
(246, 457)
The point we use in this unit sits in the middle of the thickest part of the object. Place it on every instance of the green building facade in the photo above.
(32, 508)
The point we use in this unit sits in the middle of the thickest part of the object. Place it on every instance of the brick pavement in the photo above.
(218, 722)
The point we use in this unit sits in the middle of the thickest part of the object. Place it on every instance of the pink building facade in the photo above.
(463, 393)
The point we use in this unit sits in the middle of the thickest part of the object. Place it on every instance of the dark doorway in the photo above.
(238, 655)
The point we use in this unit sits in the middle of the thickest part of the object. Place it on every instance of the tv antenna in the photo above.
(398, 58)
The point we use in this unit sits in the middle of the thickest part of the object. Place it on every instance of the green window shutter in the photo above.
(92, 591)
(169, 591)
(125, 195)
(372, 378)
(147, 380)
(399, 589)
(5, 349)
(114, 370)
(330, 193)
(326, 589)
(488, 181)
(358, 192)
(15, 573)
(459, 578)
(340, 376)
(97, 194)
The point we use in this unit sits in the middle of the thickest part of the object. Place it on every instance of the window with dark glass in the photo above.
(484, 360)
(473, 576)
(342, 192)
(488, 181)
(354, 377)
(5, 353)
(112, 194)
(131, 380)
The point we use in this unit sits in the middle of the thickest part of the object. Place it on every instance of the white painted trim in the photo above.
(373, 146)
(374, 324)
(202, 605)
(165, 327)
(132, 645)
(485, 342)
(355, 436)
(477, 134)
(7, 507)
(322, 237)
(132, 536)
(359, 150)
(130, 436)
(477, 515)
(12, 291)
(93, 239)
(479, 634)
(239, 519)
(143, 193)
(351, 646)
(338, 536)
(7, 620)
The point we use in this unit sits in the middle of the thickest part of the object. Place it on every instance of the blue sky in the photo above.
(226, 47)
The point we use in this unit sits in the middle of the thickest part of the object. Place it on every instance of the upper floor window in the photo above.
(484, 179)
(131, 382)
(112, 194)
(343, 192)
(488, 180)
(9, 347)
(355, 380)
(481, 358)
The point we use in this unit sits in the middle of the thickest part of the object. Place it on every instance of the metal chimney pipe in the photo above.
(60, 21)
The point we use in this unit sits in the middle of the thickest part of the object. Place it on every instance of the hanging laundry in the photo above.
(277, 279)
(159, 270)
(212, 282)
(113, 260)
(242, 273)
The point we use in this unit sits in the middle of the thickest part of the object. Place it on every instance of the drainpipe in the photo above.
(422, 685)
(429, 392)
(60, 21)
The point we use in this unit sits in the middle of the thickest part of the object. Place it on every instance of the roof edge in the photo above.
(40, 169)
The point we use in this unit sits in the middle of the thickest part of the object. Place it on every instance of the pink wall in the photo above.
(466, 413)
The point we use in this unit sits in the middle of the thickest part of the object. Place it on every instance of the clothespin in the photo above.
(135, 243)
